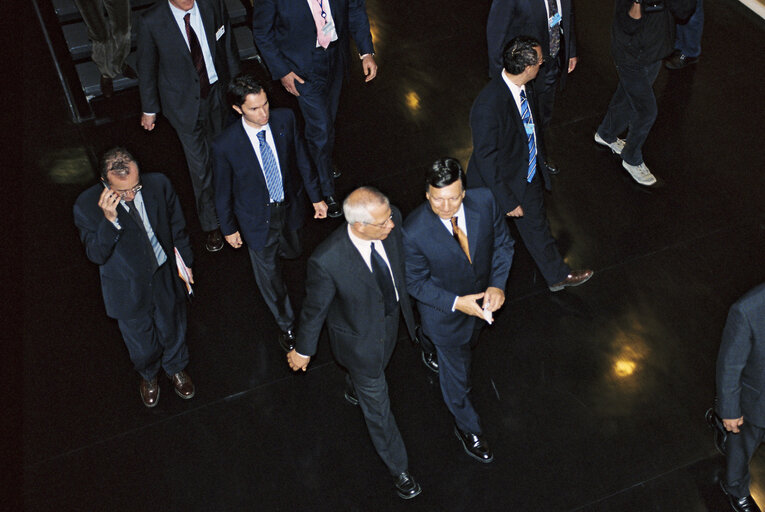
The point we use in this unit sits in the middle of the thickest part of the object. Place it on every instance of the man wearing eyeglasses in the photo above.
(131, 226)
(355, 281)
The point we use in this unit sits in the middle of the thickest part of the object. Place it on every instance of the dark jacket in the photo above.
(649, 39)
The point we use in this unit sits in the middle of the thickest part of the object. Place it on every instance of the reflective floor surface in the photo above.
(593, 398)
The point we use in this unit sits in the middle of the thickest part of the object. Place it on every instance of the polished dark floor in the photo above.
(593, 398)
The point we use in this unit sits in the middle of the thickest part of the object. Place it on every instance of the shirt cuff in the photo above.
(116, 223)
(454, 304)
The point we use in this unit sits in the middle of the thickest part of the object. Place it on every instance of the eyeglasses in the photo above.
(126, 192)
(381, 225)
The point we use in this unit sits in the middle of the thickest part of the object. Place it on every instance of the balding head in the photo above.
(368, 212)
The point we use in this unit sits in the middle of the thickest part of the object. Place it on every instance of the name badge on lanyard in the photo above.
(529, 128)
(554, 20)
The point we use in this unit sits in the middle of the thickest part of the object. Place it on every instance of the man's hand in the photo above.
(148, 121)
(288, 81)
(493, 298)
(369, 66)
(191, 275)
(635, 12)
(296, 361)
(320, 210)
(234, 240)
(572, 62)
(517, 212)
(468, 304)
(108, 203)
(732, 425)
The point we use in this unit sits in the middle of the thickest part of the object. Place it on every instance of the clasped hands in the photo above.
(493, 298)
(296, 361)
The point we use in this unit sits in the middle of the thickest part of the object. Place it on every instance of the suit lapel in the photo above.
(472, 220)
(175, 36)
(356, 265)
(277, 130)
(252, 163)
(539, 12)
(443, 237)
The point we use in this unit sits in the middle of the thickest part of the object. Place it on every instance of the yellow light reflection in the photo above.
(624, 367)
(413, 101)
(70, 165)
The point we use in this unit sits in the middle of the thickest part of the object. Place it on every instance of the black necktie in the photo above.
(384, 281)
(197, 57)
(133, 211)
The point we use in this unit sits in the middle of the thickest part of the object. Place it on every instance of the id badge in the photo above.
(329, 28)
(554, 20)
(529, 128)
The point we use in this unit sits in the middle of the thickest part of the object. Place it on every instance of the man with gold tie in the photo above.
(458, 255)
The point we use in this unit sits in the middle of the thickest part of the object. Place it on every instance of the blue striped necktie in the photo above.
(527, 121)
(271, 170)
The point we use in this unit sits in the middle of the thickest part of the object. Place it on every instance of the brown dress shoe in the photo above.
(184, 388)
(575, 278)
(149, 392)
(214, 240)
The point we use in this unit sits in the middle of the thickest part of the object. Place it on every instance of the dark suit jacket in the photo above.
(741, 361)
(500, 159)
(123, 257)
(285, 32)
(241, 194)
(437, 269)
(166, 73)
(341, 289)
(513, 18)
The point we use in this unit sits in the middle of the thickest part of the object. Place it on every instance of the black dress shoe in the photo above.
(214, 240)
(350, 395)
(287, 340)
(431, 361)
(334, 209)
(129, 72)
(107, 86)
(406, 487)
(475, 445)
(552, 168)
(336, 173)
(745, 504)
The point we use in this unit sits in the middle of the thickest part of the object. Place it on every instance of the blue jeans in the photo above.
(688, 38)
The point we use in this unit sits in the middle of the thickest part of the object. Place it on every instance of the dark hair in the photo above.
(241, 87)
(519, 54)
(116, 160)
(444, 172)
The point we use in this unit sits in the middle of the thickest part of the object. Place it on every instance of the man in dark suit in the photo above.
(551, 22)
(306, 46)
(458, 252)
(131, 226)
(741, 393)
(356, 282)
(186, 56)
(262, 170)
(507, 156)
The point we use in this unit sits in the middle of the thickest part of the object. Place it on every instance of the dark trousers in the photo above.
(632, 108)
(318, 100)
(546, 91)
(197, 147)
(454, 377)
(158, 337)
(739, 450)
(688, 36)
(111, 41)
(281, 242)
(534, 229)
(374, 401)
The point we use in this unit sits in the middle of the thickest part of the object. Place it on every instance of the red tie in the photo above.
(197, 57)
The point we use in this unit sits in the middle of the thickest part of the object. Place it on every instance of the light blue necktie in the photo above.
(527, 121)
(271, 170)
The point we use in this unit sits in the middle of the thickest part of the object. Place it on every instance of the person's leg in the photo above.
(739, 450)
(688, 37)
(454, 377)
(98, 33)
(267, 268)
(534, 229)
(638, 86)
(170, 320)
(118, 12)
(142, 344)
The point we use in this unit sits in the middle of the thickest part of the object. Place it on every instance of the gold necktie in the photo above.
(461, 238)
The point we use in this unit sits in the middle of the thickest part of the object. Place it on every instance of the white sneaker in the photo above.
(615, 146)
(640, 173)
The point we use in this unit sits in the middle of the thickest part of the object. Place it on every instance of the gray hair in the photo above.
(356, 206)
